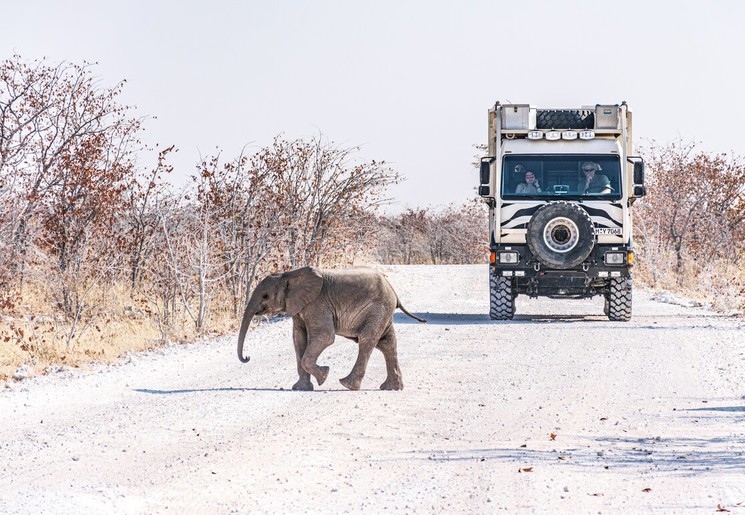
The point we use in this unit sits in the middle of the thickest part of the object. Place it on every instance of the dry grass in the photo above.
(719, 284)
(32, 334)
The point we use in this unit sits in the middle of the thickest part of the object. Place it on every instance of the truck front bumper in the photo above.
(592, 277)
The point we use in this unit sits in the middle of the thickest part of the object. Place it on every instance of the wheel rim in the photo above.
(561, 235)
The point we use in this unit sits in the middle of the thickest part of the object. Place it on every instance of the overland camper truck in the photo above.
(560, 185)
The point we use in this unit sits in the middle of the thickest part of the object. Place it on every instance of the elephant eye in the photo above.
(265, 296)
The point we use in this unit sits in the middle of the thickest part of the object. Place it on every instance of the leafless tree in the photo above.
(696, 205)
(454, 234)
(148, 198)
(66, 150)
(323, 191)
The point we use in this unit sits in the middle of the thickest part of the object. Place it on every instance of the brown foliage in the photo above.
(66, 158)
(455, 234)
(66, 149)
(691, 222)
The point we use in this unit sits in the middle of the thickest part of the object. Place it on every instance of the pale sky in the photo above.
(409, 81)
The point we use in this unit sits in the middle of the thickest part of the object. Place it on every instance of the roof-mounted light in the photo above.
(586, 135)
(569, 135)
(535, 135)
(553, 136)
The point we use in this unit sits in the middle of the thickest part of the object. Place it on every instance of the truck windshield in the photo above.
(595, 176)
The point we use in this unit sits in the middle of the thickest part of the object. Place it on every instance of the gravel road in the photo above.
(557, 411)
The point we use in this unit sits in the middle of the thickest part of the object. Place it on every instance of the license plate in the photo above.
(609, 230)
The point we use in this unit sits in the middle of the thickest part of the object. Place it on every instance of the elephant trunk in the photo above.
(248, 315)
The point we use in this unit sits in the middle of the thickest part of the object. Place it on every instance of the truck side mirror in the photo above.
(485, 171)
(639, 190)
(639, 172)
(485, 177)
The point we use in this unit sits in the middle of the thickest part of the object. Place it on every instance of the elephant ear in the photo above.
(303, 285)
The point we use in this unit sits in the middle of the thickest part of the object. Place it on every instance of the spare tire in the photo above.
(565, 119)
(561, 235)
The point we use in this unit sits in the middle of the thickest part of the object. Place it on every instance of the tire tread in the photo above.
(501, 298)
(619, 299)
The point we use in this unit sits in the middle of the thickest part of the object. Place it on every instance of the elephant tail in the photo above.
(399, 306)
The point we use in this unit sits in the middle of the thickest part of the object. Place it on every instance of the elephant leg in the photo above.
(300, 339)
(387, 346)
(354, 379)
(317, 342)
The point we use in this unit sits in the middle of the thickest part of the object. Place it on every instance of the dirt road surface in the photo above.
(557, 411)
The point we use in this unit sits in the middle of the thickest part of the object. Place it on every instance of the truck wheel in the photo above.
(565, 119)
(501, 298)
(618, 301)
(561, 235)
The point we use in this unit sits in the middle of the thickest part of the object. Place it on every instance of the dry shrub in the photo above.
(689, 229)
(450, 235)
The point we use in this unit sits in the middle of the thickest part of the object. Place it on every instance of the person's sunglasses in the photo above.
(589, 169)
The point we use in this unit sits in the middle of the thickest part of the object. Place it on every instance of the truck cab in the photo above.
(560, 185)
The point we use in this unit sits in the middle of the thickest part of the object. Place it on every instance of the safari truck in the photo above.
(560, 185)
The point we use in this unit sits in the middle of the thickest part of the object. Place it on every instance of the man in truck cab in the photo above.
(595, 183)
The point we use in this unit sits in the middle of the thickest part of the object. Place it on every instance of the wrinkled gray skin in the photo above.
(357, 303)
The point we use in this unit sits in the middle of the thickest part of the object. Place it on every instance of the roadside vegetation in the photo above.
(100, 254)
(690, 228)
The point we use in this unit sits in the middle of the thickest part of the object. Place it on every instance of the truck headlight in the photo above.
(509, 258)
(614, 258)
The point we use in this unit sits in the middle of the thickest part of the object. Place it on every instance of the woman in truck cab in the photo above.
(595, 183)
(530, 185)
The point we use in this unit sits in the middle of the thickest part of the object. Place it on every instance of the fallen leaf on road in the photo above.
(563, 458)
(603, 418)
(525, 469)
(552, 436)
(523, 446)
(647, 490)
(598, 495)
(721, 508)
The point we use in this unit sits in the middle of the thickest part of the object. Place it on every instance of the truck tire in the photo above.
(561, 235)
(618, 301)
(501, 298)
(564, 119)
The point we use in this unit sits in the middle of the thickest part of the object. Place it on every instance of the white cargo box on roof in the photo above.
(518, 117)
(607, 117)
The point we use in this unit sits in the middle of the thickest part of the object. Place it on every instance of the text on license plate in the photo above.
(609, 230)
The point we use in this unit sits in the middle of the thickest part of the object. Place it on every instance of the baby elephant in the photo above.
(357, 303)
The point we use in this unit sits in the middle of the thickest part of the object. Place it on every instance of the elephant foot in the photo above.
(303, 385)
(349, 383)
(392, 384)
(322, 375)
